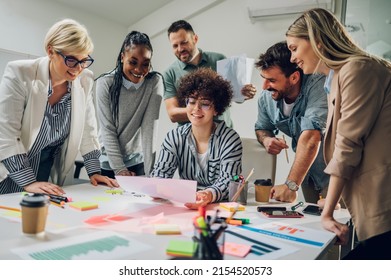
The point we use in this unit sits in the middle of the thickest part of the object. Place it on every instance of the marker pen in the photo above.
(58, 201)
(235, 178)
(219, 220)
(59, 197)
(294, 207)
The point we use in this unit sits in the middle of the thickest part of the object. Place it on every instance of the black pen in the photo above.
(59, 197)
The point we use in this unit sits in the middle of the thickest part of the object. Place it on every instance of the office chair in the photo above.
(255, 156)
(79, 164)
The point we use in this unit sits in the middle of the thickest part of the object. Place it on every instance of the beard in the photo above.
(278, 95)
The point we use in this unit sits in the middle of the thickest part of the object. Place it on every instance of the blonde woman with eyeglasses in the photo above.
(358, 129)
(203, 150)
(47, 115)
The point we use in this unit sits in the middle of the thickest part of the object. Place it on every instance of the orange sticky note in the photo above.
(83, 205)
(237, 250)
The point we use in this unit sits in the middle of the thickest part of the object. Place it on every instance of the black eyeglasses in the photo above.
(72, 62)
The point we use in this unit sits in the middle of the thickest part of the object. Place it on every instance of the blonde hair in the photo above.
(337, 47)
(69, 36)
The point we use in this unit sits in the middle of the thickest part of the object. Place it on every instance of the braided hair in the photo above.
(133, 38)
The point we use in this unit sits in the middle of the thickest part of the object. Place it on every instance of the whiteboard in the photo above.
(8, 55)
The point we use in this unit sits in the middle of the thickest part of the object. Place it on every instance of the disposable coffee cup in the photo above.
(233, 188)
(262, 189)
(34, 213)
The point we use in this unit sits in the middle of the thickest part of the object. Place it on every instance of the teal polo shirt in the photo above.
(178, 69)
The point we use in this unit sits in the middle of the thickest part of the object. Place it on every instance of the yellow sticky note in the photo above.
(83, 205)
(231, 206)
(167, 229)
(114, 191)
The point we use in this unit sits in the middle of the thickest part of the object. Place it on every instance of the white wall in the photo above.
(24, 23)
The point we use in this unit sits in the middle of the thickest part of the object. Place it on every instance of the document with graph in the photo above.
(100, 245)
(294, 233)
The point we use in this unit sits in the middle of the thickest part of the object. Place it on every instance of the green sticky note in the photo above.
(184, 248)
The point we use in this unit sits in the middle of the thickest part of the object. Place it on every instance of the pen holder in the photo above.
(233, 189)
(209, 242)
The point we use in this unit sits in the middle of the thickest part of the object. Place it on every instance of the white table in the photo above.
(68, 223)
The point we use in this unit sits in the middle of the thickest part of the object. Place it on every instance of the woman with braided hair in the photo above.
(128, 105)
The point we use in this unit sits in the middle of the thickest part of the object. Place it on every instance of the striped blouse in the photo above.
(23, 168)
(224, 161)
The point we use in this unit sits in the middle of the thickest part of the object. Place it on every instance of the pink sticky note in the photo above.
(237, 250)
(118, 218)
(96, 219)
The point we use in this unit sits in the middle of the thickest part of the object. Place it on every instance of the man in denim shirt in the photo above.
(295, 104)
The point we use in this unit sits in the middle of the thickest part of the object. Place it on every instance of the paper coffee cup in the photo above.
(34, 213)
(262, 189)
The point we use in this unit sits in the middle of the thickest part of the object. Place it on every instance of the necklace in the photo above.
(50, 89)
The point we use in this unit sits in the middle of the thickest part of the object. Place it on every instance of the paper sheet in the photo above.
(172, 189)
(262, 247)
(98, 245)
(294, 233)
(237, 70)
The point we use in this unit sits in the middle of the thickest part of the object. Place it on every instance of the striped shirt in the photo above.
(55, 128)
(224, 160)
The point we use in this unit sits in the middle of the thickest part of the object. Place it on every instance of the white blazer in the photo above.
(23, 99)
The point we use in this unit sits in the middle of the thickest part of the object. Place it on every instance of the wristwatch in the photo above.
(292, 185)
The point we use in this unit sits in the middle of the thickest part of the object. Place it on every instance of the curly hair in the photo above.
(206, 83)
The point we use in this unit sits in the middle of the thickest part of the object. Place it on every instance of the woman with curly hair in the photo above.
(203, 150)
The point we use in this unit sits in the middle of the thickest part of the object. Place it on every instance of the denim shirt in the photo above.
(308, 113)
(327, 83)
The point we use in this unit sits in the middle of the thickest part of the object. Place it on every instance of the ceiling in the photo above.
(124, 12)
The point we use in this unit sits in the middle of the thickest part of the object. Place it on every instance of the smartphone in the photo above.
(312, 210)
(270, 208)
(282, 214)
